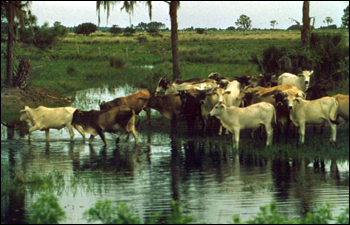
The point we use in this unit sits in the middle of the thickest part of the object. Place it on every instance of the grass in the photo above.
(80, 62)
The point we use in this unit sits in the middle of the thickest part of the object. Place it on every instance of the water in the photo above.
(210, 180)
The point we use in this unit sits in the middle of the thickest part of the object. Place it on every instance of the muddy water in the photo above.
(210, 180)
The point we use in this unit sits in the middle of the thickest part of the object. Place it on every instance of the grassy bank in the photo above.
(80, 62)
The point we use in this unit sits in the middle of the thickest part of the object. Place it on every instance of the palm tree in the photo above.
(15, 10)
(128, 6)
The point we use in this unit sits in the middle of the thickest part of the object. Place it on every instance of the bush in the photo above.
(200, 30)
(117, 61)
(85, 28)
(46, 210)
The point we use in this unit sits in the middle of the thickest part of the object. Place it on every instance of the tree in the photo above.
(328, 20)
(85, 28)
(244, 22)
(128, 6)
(273, 23)
(15, 10)
(306, 29)
(345, 17)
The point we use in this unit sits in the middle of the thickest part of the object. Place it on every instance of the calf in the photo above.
(43, 118)
(138, 101)
(316, 112)
(95, 122)
(301, 81)
(252, 117)
(343, 101)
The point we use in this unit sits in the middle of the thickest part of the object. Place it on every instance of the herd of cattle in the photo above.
(217, 102)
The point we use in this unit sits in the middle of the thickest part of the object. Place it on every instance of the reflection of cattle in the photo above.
(252, 117)
(137, 101)
(169, 106)
(43, 118)
(301, 81)
(95, 122)
(316, 112)
(343, 101)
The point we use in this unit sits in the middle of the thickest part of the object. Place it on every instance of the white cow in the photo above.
(316, 112)
(166, 87)
(301, 81)
(44, 119)
(252, 117)
(343, 101)
(211, 99)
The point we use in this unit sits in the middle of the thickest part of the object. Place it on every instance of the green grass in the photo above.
(80, 62)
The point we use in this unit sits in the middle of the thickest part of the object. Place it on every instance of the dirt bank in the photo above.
(14, 99)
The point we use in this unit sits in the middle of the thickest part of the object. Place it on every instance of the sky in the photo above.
(199, 14)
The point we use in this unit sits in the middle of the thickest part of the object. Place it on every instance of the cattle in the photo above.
(211, 99)
(230, 97)
(343, 101)
(316, 112)
(138, 101)
(166, 87)
(170, 106)
(191, 103)
(301, 81)
(315, 92)
(263, 80)
(282, 111)
(44, 119)
(252, 117)
(261, 94)
(96, 122)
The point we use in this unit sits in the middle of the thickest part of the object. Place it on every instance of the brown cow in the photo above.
(138, 101)
(95, 122)
(170, 106)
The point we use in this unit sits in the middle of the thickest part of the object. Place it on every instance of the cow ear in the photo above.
(311, 72)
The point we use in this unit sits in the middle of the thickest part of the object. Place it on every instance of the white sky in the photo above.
(219, 14)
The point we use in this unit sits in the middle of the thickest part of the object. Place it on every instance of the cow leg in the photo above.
(302, 132)
(120, 137)
(102, 135)
(81, 131)
(333, 133)
(91, 139)
(71, 132)
(47, 133)
(148, 111)
(136, 136)
(236, 139)
(269, 132)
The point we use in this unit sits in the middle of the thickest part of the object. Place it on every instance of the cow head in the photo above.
(163, 85)
(26, 116)
(292, 99)
(305, 76)
(217, 110)
(215, 76)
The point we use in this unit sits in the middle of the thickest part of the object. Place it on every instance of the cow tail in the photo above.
(333, 114)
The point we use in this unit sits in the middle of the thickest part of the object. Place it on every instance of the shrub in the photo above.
(117, 61)
(46, 210)
(85, 28)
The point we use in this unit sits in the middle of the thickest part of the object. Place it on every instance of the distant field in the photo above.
(79, 62)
